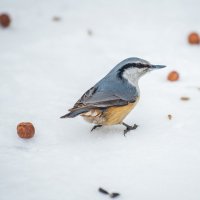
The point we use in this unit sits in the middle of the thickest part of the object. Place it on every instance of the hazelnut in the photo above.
(193, 38)
(25, 130)
(173, 76)
(5, 20)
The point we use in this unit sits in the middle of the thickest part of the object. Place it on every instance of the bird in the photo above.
(111, 99)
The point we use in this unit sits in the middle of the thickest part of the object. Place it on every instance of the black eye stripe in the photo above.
(130, 65)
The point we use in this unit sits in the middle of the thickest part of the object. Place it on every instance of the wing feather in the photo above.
(95, 98)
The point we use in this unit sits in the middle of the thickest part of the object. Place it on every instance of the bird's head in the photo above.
(133, 68)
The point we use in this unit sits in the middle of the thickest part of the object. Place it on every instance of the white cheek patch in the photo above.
(133, 74)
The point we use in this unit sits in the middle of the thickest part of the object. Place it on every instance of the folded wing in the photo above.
(103, 97)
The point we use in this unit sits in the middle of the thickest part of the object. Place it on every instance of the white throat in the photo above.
(132, 75)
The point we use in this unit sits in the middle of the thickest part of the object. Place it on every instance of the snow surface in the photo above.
(45, 66)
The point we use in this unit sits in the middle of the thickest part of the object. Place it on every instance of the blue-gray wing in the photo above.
(107, 94)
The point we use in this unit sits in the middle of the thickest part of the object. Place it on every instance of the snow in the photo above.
(45, 66)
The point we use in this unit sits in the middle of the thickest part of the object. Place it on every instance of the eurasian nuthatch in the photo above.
(113, 97)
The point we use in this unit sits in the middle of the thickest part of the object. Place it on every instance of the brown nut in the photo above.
(5, 20)
(193, 38)
(173, 76)
(25, 130)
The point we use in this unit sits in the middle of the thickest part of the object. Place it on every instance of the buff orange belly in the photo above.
(110, 116)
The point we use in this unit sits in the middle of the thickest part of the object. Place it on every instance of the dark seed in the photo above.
(114, 194)
(103, 191)
(169, 117)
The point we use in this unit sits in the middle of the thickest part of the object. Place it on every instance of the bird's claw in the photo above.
(96, 126)
(129, 128)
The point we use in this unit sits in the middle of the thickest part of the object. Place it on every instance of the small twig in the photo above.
(185, 98)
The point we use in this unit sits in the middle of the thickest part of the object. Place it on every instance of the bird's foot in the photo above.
(129, 128)
(96, 126)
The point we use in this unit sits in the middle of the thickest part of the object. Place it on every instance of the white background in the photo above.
(45, 66)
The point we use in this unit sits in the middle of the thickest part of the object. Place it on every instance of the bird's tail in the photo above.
(74, 113)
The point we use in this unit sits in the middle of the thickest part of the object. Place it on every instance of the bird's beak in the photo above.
(157, 66)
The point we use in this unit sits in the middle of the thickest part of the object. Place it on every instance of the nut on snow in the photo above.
(173, 76)
(25, 130)
(5, 20)
(194, 38)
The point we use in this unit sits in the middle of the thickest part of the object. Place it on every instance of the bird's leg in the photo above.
(96, 126)
(129, 128)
